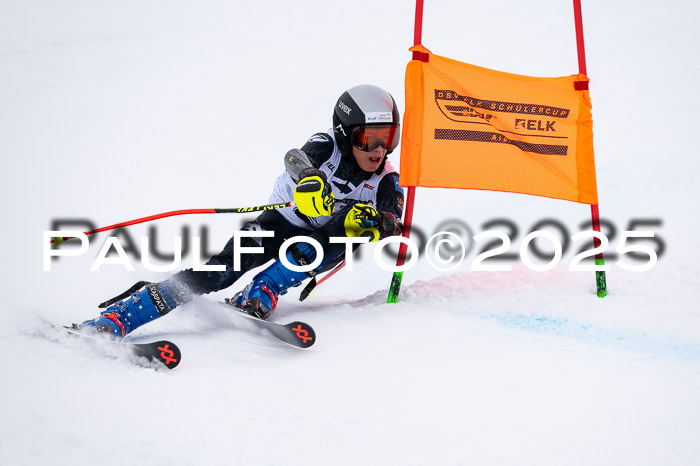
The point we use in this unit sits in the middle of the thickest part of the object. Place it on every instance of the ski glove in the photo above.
(313, 195)
(363, 220)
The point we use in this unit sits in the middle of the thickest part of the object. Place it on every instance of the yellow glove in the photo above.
(363, 220)
(313, 195)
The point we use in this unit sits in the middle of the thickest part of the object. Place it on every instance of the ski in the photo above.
(162, 351)
(295, 333)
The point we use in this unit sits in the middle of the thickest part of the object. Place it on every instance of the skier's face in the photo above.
(369, 161)
(371, 143)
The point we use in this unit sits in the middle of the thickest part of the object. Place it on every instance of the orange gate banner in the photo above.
(474, 128)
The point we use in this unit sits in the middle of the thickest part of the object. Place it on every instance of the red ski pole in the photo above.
(234, 210)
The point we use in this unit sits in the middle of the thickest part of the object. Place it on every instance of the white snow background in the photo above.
(111, 111)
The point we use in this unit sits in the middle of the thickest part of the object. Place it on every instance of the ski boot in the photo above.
(259, 297)
(126, 315)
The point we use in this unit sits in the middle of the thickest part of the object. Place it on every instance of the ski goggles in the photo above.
(368, 138)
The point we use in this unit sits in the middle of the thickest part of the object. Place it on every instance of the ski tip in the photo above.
(304, 334)
(167, 352)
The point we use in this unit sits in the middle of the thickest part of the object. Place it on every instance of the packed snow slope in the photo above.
(116, 110)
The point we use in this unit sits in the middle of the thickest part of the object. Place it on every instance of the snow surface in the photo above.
(115, 110)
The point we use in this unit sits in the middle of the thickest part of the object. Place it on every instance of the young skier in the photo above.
(342, 185)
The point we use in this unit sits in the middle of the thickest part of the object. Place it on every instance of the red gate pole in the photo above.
(601, 284)
(411, 194)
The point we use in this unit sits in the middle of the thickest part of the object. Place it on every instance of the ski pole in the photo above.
(314, 283)
(233, 210)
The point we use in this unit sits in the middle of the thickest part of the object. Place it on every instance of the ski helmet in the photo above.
(362, 107)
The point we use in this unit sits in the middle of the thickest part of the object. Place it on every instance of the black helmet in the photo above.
(361, 107)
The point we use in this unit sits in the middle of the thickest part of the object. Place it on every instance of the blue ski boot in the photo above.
(259, 298)
(125, 316)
